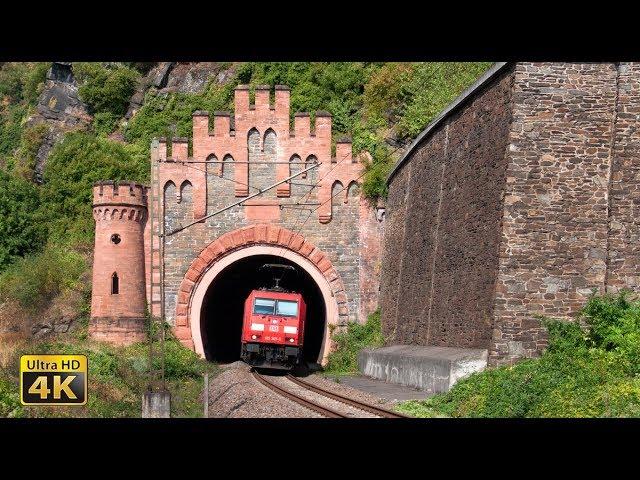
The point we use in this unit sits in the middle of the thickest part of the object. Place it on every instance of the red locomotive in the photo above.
(273, 328)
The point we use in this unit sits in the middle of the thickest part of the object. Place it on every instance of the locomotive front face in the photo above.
(275, 321)
(273, 329)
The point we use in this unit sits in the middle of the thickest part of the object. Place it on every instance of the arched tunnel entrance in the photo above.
(223, 305)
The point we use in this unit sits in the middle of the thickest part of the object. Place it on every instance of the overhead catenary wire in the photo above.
(239, 202)
(215, 175)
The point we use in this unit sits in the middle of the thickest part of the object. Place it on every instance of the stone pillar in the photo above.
(156, 404)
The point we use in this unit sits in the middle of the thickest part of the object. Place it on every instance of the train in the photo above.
(273, 329)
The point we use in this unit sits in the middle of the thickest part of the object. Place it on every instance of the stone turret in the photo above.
(118, 298)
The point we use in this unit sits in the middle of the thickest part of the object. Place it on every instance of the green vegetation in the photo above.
(20, 85)
(117, 378)
(73, 166)
(22, 82)
(170, 115)
(33, 281)
(106, 89)
(587, 371)
(344, 359)
(20, 229)
(46, 231)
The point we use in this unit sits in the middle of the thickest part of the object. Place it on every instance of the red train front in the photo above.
(273, 329)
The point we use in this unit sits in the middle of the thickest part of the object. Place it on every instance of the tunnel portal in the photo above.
(223, 305)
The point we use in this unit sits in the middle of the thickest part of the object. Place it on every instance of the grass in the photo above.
(344, 359)
(116, 381)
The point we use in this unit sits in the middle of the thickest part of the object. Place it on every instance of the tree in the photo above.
(21, 228)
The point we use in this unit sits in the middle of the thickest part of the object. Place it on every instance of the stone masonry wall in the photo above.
(441, 239)
(567, 226)
(555, 224)
(624, 195)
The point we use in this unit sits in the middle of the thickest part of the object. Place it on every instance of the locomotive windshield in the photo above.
(287, 308)
(264, 306)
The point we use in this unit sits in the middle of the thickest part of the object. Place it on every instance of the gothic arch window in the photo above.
(169, 190)
(336, 189)
(352, 191)
(217, 168)
(270, 143)
(115, 284)
(253, 142)
(294, 164)
(311, 159)
(227, 166)
(186, 185)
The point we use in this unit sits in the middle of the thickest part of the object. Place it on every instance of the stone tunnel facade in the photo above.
(232, 158)
(520, 200)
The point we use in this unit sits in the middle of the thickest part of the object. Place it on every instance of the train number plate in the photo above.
(273, 328)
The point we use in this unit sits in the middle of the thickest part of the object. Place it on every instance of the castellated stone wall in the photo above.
(564, 224)
(331, 215)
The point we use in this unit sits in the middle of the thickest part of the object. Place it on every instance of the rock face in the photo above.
(60, 108)
(183, 77)
(60, 317)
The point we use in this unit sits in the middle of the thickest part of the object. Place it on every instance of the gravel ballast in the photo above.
(235, 393)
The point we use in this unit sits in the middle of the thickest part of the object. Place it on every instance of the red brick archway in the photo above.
(269, 235)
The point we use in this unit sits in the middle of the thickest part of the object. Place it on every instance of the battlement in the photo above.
(261, 114)
(109, 192)
(262, 101)
(179, 149)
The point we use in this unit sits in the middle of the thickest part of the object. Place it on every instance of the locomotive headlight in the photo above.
(257, 326)
(253, 337)
(291, 340)
(288, 329)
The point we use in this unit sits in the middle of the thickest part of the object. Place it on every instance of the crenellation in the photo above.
(262, 100)
(302, 125)
(241, 100)
(114, 193)
(221, 124)
(180, 149)
(282, 102)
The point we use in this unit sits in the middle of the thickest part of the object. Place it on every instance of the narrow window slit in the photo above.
(115, 284)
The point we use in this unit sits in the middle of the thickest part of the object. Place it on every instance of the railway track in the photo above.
(316, 406)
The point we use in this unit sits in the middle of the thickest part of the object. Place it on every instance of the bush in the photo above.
(22, 81)
(106, 89)
(104, 123)
(10, 405)
(21, 228)
(10, 129)
(344, 359)
(429, 88)
(36, 279)
(72, 168)
(30, 142)
(614, 325)
(20, 87)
